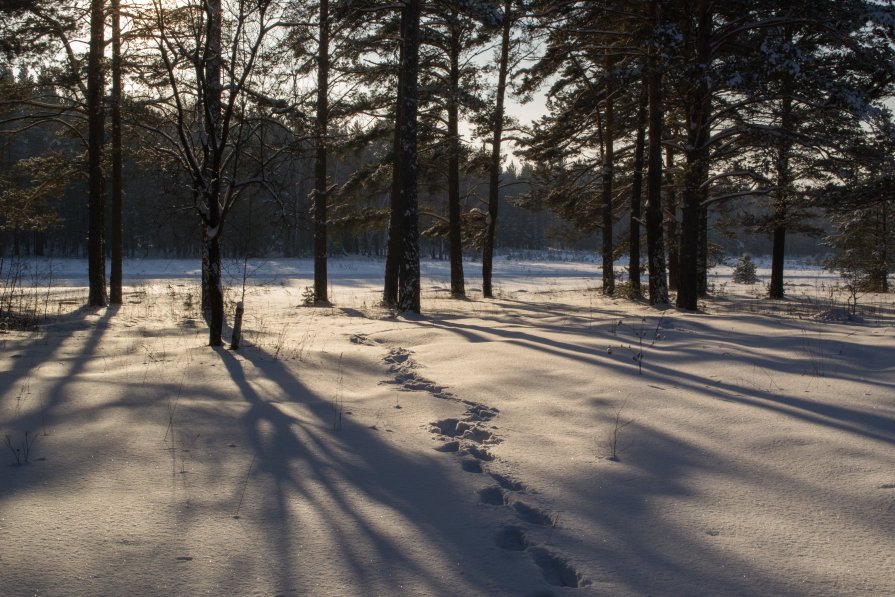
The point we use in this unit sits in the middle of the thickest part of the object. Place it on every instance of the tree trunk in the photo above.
(637, 195)
(458, 286)
(496, 140)
(699, 104)
(671, 231)
(206, 293)
(39, 241)
(409, 266)
(658, 285)
(212, 194)
(320, 181)
(215, 287)
(393, 244)
(115, 277)
(96, 256)
(778, 251)
(784, 149)
(608, 170)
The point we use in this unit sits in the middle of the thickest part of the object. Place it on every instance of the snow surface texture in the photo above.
(352, 451)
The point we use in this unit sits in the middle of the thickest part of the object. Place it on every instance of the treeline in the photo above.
(294, 127)
(159, 221)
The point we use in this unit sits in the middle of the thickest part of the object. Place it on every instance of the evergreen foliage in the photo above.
(309, 127)
(744, 271)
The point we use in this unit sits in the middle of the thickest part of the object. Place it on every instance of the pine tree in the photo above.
(406, 164)
(510, 16)
(116, 274)
(658, 282)
(96, 247)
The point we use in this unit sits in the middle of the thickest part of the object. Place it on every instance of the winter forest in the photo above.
(511, 297)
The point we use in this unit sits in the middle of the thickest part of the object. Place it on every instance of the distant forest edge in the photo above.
(672, 133)
(159, 222)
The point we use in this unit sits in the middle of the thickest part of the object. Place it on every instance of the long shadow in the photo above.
(341, 481)
(49, 337)
(303, 457)
(639, 548)
(867, 424)
(639, 551)
(37, 419)
(40, 418)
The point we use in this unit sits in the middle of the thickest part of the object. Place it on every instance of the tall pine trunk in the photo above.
(671, 229)
(658, 285)
(608, 171)
(696, 173)
(393, 244)
(320, 181)
(671, 232)
(637, 195)
(458, 286)
(116, 274)
(496, 140)
(409, 264)
(784, 149)
(96, 255)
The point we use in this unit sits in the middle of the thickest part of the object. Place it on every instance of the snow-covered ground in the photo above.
(349, 451)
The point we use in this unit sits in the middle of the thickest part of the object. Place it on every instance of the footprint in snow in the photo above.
(467, 436)
(507, 483)
(403, 368)
(556, 570)
(533, 515)
(452, 446)
(478, 453)
(493, 496)
(471, 466)
(511, 539)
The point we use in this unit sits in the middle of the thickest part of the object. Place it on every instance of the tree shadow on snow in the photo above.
(339, 480)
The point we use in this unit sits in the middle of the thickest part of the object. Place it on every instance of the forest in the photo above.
(447, 297)
(291, 128)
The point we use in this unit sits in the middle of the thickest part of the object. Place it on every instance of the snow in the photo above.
(348, 450)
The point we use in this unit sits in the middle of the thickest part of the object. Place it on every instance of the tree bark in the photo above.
(496, 140)
(116, 274)
(637, 195)
(215, 287)
(671, 231)
(320, 181)
(458, 285)
(96, 255)
(608, 171)
(212, 174)
(784, 149)
(206, 294)
(409, 265)
(699, 104)
(393, 244)
(778, 252)
(658, 285)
